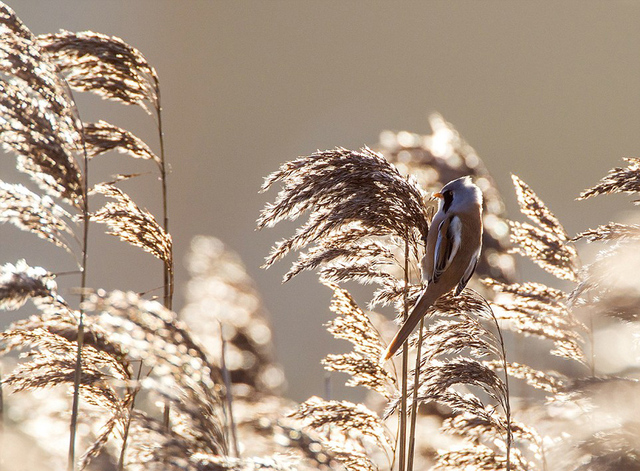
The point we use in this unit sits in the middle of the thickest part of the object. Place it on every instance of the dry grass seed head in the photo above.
(611, 232)
(535, 309)
(38, 120)
(618, 180)
(478, 457)
(547, 244)
(23, 59)
(104, 65)
(29, 128)
(132, 224)
(221, 295)
(102, 137)
(30, 212)
(184, 373)
(341, 187)
(551, 383)
(363, 363)
(20, 282)
(354, 420)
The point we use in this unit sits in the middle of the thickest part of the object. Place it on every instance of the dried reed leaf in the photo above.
(132, 224)
(618, 180)
(20, 282)
(102, 137)
(33, 213)
(104, 65)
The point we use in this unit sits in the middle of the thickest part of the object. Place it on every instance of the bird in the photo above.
(453, 246)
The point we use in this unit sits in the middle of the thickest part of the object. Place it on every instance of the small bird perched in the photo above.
(453, 249)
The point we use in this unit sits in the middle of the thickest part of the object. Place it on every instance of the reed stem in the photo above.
(414, 402)
(83, 284)
(405, 363)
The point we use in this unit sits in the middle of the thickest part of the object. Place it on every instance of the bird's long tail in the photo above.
(418, 312)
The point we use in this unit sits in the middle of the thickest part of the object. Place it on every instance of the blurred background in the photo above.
(549, 91)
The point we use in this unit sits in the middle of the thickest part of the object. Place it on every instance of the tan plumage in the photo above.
(453, 248)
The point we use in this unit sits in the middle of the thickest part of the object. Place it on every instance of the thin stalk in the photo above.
(592, 345)
(507, 403)
(83, 284)
(414, 403)
(327, 385)
(166, 415)
(167, 272)
(229, 394)
(125, 436)
(405, 363)
(168, 265)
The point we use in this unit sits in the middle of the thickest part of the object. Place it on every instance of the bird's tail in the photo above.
(418, 312)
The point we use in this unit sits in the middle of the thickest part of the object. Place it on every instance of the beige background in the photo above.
(547, 90)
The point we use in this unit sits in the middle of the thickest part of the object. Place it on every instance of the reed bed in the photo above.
(118, 380)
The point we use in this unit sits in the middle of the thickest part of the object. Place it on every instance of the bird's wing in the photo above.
(447, 245)
(473, 263)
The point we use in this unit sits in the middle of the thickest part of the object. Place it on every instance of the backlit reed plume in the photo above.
(350, 196)
(132, 224)
(39, 122)
(223, 301)
(350, 215)
(104, 65)
(111, 68)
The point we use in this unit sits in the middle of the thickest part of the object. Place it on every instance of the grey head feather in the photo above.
(464, 194)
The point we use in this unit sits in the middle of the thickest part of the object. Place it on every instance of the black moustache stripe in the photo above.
(448, 199)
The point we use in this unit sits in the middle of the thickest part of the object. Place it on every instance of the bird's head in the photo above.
(459, 195)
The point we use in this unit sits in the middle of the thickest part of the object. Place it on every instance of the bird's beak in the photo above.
(438, 195)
